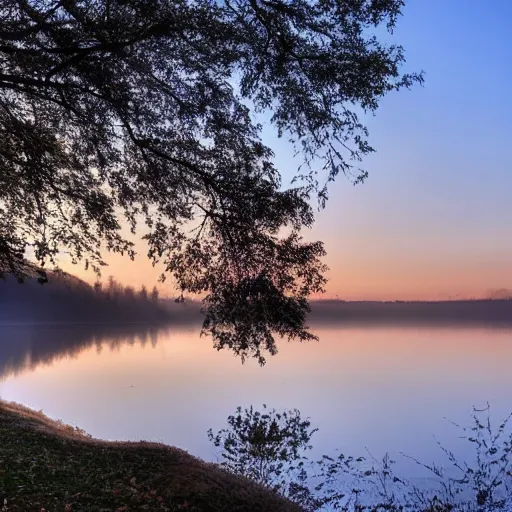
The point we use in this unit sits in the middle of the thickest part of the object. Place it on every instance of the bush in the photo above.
(271, 448)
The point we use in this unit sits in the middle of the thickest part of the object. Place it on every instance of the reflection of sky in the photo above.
(387, 389)
(433, 219)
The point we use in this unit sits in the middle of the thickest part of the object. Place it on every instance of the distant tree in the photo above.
(129, 293)
(500, 294)
(154, 294)
(98, 288)
(140, 110)
(113, 288)
(143, 293)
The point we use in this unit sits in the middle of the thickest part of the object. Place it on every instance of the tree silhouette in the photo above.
(154, 294)
(68, 299)
(135, 111)
(143, 293)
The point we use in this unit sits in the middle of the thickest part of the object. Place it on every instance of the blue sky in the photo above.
(433, 219)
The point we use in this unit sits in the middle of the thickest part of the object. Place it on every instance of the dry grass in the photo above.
(45, 465)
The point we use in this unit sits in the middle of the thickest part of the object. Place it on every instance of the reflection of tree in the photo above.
(25, 348)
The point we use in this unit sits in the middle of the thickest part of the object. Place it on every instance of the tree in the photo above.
(154, 294)
(268, 447)
(271, 449)
(142, 111)
(129, 293)
(114, 289)
(143, 294)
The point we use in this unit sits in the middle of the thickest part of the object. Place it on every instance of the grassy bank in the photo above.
(50, 466)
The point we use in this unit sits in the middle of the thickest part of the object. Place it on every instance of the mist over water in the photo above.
(384, 388)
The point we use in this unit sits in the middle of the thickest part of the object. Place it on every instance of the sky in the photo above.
(432, 221)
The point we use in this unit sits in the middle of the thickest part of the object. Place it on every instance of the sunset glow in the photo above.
(433, 219)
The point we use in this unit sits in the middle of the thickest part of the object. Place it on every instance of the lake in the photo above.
(381, 388)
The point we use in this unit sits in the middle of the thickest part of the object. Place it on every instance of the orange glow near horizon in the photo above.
(350, 277)
(432, 221)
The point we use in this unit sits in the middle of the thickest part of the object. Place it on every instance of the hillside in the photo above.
(66, 298)
(45, 465)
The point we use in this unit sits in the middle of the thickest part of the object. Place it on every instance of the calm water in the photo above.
(382, 388)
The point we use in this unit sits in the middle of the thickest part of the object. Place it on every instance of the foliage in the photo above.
(482, 485)
(141, 110)
(269, 447)
(485, 484)
(360, 484)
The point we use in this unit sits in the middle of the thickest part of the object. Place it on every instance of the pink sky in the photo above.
(433, 219)
(360, 269)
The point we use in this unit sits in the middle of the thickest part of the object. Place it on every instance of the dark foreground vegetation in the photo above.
(271, 448)
(146, 115)
(48, 466)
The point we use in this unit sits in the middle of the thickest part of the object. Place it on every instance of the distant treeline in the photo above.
(66, 298)
(453, 311)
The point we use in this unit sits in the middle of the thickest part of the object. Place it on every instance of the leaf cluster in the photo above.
(140, 113)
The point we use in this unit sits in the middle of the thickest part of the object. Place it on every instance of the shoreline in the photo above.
(45, 464)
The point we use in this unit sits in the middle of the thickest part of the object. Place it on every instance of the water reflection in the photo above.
(387, 388)
(25, 347)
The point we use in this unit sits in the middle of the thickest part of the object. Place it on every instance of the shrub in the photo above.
(271, 447)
